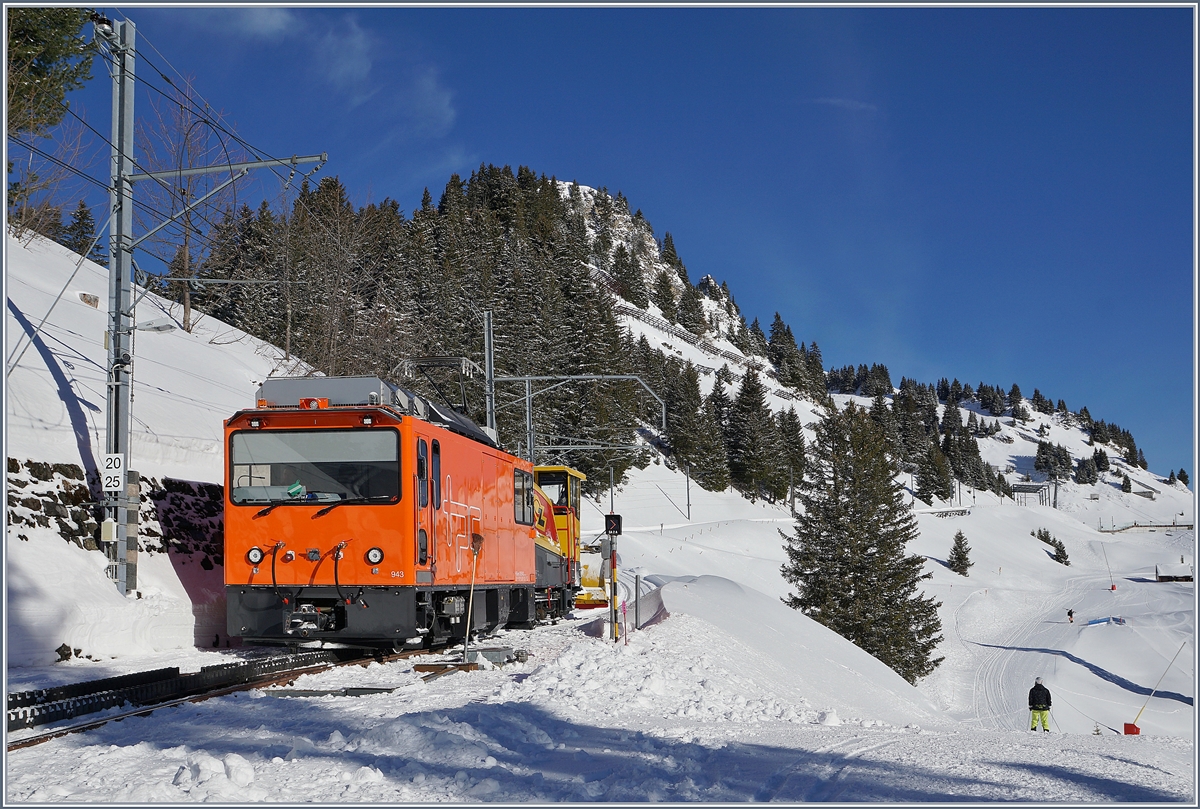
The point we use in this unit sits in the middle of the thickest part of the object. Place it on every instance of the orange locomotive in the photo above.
(352, 508)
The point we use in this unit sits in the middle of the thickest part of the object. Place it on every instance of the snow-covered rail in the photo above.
(154, 688)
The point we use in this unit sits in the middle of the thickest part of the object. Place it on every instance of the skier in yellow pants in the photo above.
(1039, 705)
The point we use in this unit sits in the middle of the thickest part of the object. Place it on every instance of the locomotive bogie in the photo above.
(374, 616)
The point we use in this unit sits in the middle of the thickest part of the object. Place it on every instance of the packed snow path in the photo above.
(671, 716)
(1031, 636)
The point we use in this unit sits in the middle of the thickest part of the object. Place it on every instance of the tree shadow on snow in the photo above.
(70, 399)
(1103, 674)
(537, 756)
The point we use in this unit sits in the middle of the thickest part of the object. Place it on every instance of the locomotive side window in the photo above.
(422, 473)
(314, 466)
(437, 474)
(554, 484)
(422, 547)
(523, 497)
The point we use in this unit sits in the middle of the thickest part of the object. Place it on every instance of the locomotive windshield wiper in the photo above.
(352, 500)
(262, 512)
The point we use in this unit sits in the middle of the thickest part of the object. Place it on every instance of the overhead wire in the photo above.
(79, 173)
(169, 189)
(148, 209)
(220, 126)
(208, 115)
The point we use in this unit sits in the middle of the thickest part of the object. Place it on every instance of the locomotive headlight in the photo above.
(255, 555)
(375, 556)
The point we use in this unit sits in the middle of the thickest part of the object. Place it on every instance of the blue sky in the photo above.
(994, 194)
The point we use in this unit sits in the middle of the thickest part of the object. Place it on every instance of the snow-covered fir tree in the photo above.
(847, 558)
(959, 559)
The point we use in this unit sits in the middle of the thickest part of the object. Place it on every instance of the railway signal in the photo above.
(608, 549)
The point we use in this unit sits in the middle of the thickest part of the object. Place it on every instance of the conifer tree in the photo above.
(627, 273)
(1086, 472)
(959, 559)
(1002, 487)
(1126, 484)
(1014, 395)
(816, 372)
(791, 432)
(847, 558)
(1183, 476)
(710, 463)
(672, 260)
(1060, 552)
(48, 56)
(691, 311)
(758, 340)
(683, 412)
(754, 444)
(719, 405)
(934, 478)
(80, 234)
(663, 295)
(883, 417)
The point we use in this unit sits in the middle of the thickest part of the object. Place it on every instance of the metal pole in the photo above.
(489, 375)
(476, 546)
(687, 477)
(612, 601)
(611, 510)
(1156, 685)
(120, 286)
(637, 601)
(529, 418)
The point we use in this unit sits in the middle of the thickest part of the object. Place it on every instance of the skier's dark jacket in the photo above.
(1039, 698)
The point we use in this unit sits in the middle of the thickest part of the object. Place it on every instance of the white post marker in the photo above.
(112, 475)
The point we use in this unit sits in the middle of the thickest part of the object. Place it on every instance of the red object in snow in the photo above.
(1114, 586)
(1132, 729)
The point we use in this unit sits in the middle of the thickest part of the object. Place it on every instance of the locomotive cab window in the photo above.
(523, 497)
(422, 473)
(561, 488)
(314, 466)
(437, 474)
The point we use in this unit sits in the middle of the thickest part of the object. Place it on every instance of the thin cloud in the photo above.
(432, 105)
(847, 104)
(345, 56)
(260, 23)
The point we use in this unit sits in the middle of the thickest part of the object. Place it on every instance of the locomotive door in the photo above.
(426, 500)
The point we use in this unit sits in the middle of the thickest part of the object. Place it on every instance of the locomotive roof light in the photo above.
(375, 555)
(367, 421)
(256, 423)
(314, 403)
(255, 555)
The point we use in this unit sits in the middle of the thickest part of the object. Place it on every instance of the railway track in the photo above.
(145, 692)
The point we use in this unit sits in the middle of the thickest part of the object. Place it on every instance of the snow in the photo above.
(724, 694)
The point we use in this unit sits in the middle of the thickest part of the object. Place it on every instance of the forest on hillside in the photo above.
(364, 288)
(358, 290)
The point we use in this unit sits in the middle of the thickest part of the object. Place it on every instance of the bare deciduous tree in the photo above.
(176, 137)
